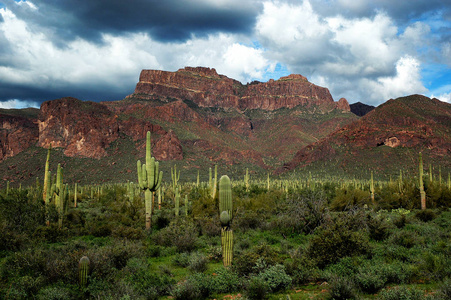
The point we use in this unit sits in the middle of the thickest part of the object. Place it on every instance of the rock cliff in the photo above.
(206, 88)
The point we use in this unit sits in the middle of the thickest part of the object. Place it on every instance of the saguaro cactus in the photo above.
(422, 193)
(149, 178)
(372, 188)
(83, 270)
(225, 210)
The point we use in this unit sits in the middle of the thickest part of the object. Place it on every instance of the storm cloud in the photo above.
(362, 50)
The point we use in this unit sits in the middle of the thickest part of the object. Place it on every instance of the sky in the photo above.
(363, 50)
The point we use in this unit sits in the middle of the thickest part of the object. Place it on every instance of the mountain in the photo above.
(386, 139)
(197, 117)
(361, 109)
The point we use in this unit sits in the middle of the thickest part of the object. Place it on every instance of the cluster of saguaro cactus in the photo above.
(422, 193)
(83, 270)
(225, 210)
(54, 191)
(149, 178)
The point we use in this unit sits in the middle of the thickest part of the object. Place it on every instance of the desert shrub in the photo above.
(401, 293)
(341, 288)
(197, 262)
(20, 213)
(301, 269)
(405, 238)
(246, 263)
(302, 213)
(400, 221)
(181, 259)
(378, 228)
(276, 277)
(350, 197)
(186, 290)
(225, 280)
(55, 293)
(336, 241)
(162, 218)
(210, 226)
(425, 215)
(370, 279)
(247, 219)
(257, 288)
(444, 290)
(435, 266)
(11, 240)
(345, 267)
(145, 281)
(181, 233)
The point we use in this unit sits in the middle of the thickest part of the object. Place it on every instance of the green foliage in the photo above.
(401, 293)
(341, 288)
(334, 241)
(181, 233)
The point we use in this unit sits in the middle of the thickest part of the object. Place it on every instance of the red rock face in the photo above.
(16, 134)
(82, 128)
(206, 88)
(168, 147)
(343, 105)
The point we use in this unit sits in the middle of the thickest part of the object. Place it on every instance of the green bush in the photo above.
(276, 277)
(145, 281)
(341, 288)
(257, 288)
(181, 233)
(444, 290)
(370, 280)
(401, 293)
(425, 215)
(225, 281)
(406, 238)
(246, 263)
(336, 241)
(197, 262)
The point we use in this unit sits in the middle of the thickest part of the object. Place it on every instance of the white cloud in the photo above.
(407, 81)
(16, 104)
(116, 63)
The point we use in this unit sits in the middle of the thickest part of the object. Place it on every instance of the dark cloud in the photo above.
(164, 20)
(41, 94)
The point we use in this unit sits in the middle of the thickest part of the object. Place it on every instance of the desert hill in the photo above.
(387, 138)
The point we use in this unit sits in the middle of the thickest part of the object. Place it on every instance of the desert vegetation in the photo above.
(302, 238)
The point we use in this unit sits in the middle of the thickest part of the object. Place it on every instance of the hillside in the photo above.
(386, 140)
(197, 117)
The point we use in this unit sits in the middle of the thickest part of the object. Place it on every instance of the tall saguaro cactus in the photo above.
(149, 178)
(225, 210)
(422, 193)
(46, 188)
(83, 270)
(372, 188)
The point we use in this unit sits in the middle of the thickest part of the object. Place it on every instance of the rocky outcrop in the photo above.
(168, 147)
(206, 88)
(81, 128)
(343, 105)
(17, 133)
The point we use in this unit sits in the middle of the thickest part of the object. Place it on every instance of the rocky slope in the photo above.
(389, 135)
(196, 116)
